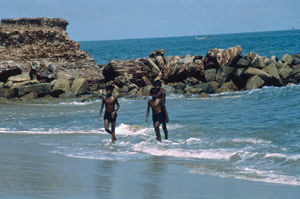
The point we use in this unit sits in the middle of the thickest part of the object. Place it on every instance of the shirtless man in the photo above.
(157, 114)
(162, 95)
(110, 115)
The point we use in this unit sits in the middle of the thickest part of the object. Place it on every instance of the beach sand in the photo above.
(28, 170)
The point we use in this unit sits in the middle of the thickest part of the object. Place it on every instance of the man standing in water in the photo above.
(157, 115)
(162, 95)
(110, 115)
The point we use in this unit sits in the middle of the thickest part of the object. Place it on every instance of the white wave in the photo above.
(157, 150)
(127, 130)
(251, 140)
(284, 156)
(194, 141)
(116, 156)
(174, 126)
(175, 96)
(54, 131)
(252, 175)
(268, 176)
(79, 103)
(229, 95)
(122, 129)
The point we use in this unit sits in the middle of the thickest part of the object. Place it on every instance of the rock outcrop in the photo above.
(37, 59)
(42, 48)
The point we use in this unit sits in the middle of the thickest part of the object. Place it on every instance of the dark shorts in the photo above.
(158, 118)
(107, 116)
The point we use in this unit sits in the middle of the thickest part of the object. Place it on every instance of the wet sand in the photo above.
(28, 170)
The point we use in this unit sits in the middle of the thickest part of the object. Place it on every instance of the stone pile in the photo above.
(219, 71)
(37, 59)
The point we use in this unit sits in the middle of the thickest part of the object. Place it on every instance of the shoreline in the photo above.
(175, 180)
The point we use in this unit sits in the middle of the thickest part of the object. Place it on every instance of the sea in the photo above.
(242, 145)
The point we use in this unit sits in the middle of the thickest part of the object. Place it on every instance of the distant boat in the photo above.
(205, 37)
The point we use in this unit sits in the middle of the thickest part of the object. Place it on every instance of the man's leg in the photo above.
(157, 132)
(165, 130)
(106, 125)
(113, 134)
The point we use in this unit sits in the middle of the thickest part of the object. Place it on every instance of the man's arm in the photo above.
(147, 114)
(163, 97)
(158, 94)
(163, 101)
(118, 106)
(101, 109)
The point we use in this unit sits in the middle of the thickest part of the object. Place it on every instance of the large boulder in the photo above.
(155, 69)
(60, 86)
(177, 70)
(296, 60)
(203, 95)
(8, 93)
(205, 86)
(8, 84)
(224, 74)
(288, 59)
(254, 82)
(7, 70)
(224, 57)
(244, 62)
(64, 75)
(30, 96)
(262, 74)
(43, 71)
(191, 81)
(40, 89)
(193, 90)
(187, 59)
(227, 87)
(258, 63)
(25, 83)
(123, 72)
(252, 56)
(284, 70)
(273, 71)
(144, 91)
(294, 76)
(215, 85)
(79, 86)
(168, 88)
(20, 78)
(210, 74)
(158, 56)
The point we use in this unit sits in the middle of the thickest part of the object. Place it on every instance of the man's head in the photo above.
(157, 84)
(153, 91)
(109, 89)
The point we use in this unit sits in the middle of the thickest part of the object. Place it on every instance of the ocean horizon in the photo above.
(269, 43)
(192, 35)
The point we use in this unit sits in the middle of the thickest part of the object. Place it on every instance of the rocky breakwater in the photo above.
(221, 70)
(37, 58)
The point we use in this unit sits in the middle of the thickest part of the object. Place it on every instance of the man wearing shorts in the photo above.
(110, 114)
(157, 114)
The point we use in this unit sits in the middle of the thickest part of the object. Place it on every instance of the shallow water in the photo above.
(251, 135)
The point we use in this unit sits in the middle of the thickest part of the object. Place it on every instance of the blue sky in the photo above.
(123, 19)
